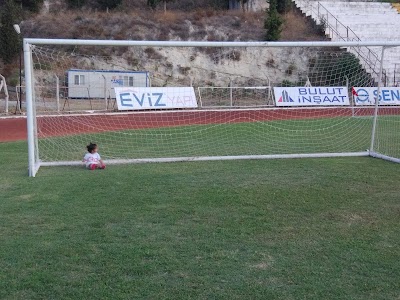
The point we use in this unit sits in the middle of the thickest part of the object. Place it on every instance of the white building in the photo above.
(100, 84)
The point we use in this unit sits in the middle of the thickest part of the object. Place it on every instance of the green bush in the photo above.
(31, 5)
(10, 42)
(76, 3)
(273, 22)
(282, 6)
(104, 4)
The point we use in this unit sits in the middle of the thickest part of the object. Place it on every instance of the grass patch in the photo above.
(327, 135)
(281, 229)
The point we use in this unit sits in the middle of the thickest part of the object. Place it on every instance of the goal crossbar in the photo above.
(119, 43)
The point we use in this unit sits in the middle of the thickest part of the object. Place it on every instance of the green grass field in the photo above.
(260, 229)
(323, 135)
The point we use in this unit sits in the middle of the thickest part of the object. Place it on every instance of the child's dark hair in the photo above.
(91, 147)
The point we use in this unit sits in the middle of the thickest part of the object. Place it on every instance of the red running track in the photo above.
(14, 128)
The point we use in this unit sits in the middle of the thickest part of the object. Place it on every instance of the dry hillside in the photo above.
(205, 25)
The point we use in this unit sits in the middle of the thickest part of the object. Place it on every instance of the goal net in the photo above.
(181, 101)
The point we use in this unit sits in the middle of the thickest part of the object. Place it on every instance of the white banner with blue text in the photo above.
(367, 95)
(311, 96)
(140, 98)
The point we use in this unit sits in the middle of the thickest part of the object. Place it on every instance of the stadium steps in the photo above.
(365, 21)
(396, 6)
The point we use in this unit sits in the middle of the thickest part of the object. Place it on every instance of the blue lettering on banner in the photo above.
(386, 95)
(318, 99)
(321, 95)
(124, 101)
(320, 91)
(153, 99)
(311, 92)
(396, 95)
(302, 91)
(137, 99)
(304, 99)
(158, 101)
(375, 93)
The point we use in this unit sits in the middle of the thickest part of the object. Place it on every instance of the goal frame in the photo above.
(33, 151)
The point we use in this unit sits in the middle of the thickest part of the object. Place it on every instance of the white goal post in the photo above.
(3, 87)
(249, 100)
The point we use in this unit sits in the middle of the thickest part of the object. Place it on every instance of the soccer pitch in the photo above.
(253, 229)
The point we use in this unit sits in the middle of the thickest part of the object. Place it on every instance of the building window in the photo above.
(79, 79)
(128, 81)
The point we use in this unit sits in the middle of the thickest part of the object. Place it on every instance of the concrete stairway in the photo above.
(361, 21)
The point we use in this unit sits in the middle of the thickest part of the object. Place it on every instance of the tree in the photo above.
(236, 4)
(273, 22)
(10, 42)
(104, 4)
(32, 5)
(282, 6)
(243, 2)
(76, 3)
(165, 4)
(152, 3)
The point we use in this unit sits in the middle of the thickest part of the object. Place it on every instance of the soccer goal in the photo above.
(167, 101)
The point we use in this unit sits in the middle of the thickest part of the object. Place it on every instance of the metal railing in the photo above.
(335, 28)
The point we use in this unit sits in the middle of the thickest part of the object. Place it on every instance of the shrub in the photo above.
(273, 22)
(291, 68)
(31, 5)
(105, 4)
(75, 3)
(152, 54)
(10, 42)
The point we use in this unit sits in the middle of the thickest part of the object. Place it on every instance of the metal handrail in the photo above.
(370, 58)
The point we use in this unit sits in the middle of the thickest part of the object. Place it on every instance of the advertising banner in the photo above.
(367, 95)
(311, 96)
(141, 98)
